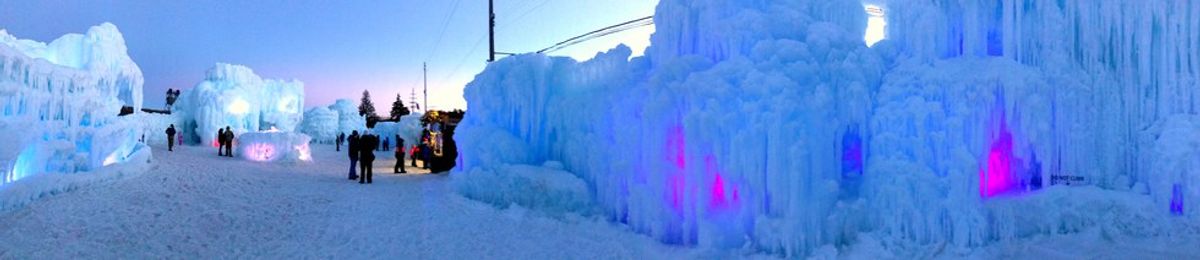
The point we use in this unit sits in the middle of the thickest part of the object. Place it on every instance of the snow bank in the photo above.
(544, 187)
(233, 96)
(59, 104)
(273, 146)
(773, 126)
(35, 187)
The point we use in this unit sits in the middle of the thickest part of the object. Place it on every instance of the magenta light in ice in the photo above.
(261, 152)
(722, 195)
(996, 176)
(676, 156)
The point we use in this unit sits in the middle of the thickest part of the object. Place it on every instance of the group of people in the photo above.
(225, 142)
(361, 150)
(224, 139)
(422, 151)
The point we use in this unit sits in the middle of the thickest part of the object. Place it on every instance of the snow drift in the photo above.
(773, 126)
(58, 109)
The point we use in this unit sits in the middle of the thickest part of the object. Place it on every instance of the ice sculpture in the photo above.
(274, 146)
(348, 118)
(321, 124)
(409, 128)
(233, 96)
(738, 127)
(59, 103)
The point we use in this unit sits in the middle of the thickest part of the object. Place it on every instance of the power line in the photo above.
(636, 23)
(441, 33)
(530, 10)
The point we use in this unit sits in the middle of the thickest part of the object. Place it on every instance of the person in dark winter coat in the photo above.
(386, 145)
(399, 156)
(412, 155)
(171, 138)
(366, 157)
(220, 142)
(341, 138)
(426, 154)
(229, 141)
(352, 147)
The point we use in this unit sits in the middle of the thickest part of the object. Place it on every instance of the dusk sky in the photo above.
(337, 48)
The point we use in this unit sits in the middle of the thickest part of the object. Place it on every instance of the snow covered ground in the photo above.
(194, 204)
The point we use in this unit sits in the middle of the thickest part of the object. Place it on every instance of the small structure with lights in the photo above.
(274, 146)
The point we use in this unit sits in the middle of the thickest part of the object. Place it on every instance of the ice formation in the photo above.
(348, 118)
(321, 124)
(772, 125)
(59, 104)
(273, 146)
(233, 96)
(324, 124)
(409, 128)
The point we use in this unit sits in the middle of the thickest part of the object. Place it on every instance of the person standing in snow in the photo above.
(412, 155)
(220, 142)
(386, 145)
(352, 146)
(340, 138)
(228, 141)
(171, 138)
(366, 157)
(426, 154)
(399, 156)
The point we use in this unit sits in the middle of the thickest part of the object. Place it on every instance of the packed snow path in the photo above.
(195, 204)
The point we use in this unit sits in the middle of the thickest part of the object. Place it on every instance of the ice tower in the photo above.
(59, 103)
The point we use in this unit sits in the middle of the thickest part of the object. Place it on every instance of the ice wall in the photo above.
(321, 124)
(59, 103)
(233, 96)
(348, 118)
(770, 125)
(409, 128)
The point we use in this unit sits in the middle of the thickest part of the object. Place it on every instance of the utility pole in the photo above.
(425, 79)
(491, 33)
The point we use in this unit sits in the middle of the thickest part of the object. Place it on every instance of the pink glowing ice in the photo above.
(676, 155)
(997, 176)
(721, 194)
(260, 152)
(717, 193)
(720, 190)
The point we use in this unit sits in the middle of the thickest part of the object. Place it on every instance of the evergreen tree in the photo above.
(365, 107)
(398, 109)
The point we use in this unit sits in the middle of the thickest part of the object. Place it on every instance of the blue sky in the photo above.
(338, 48)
